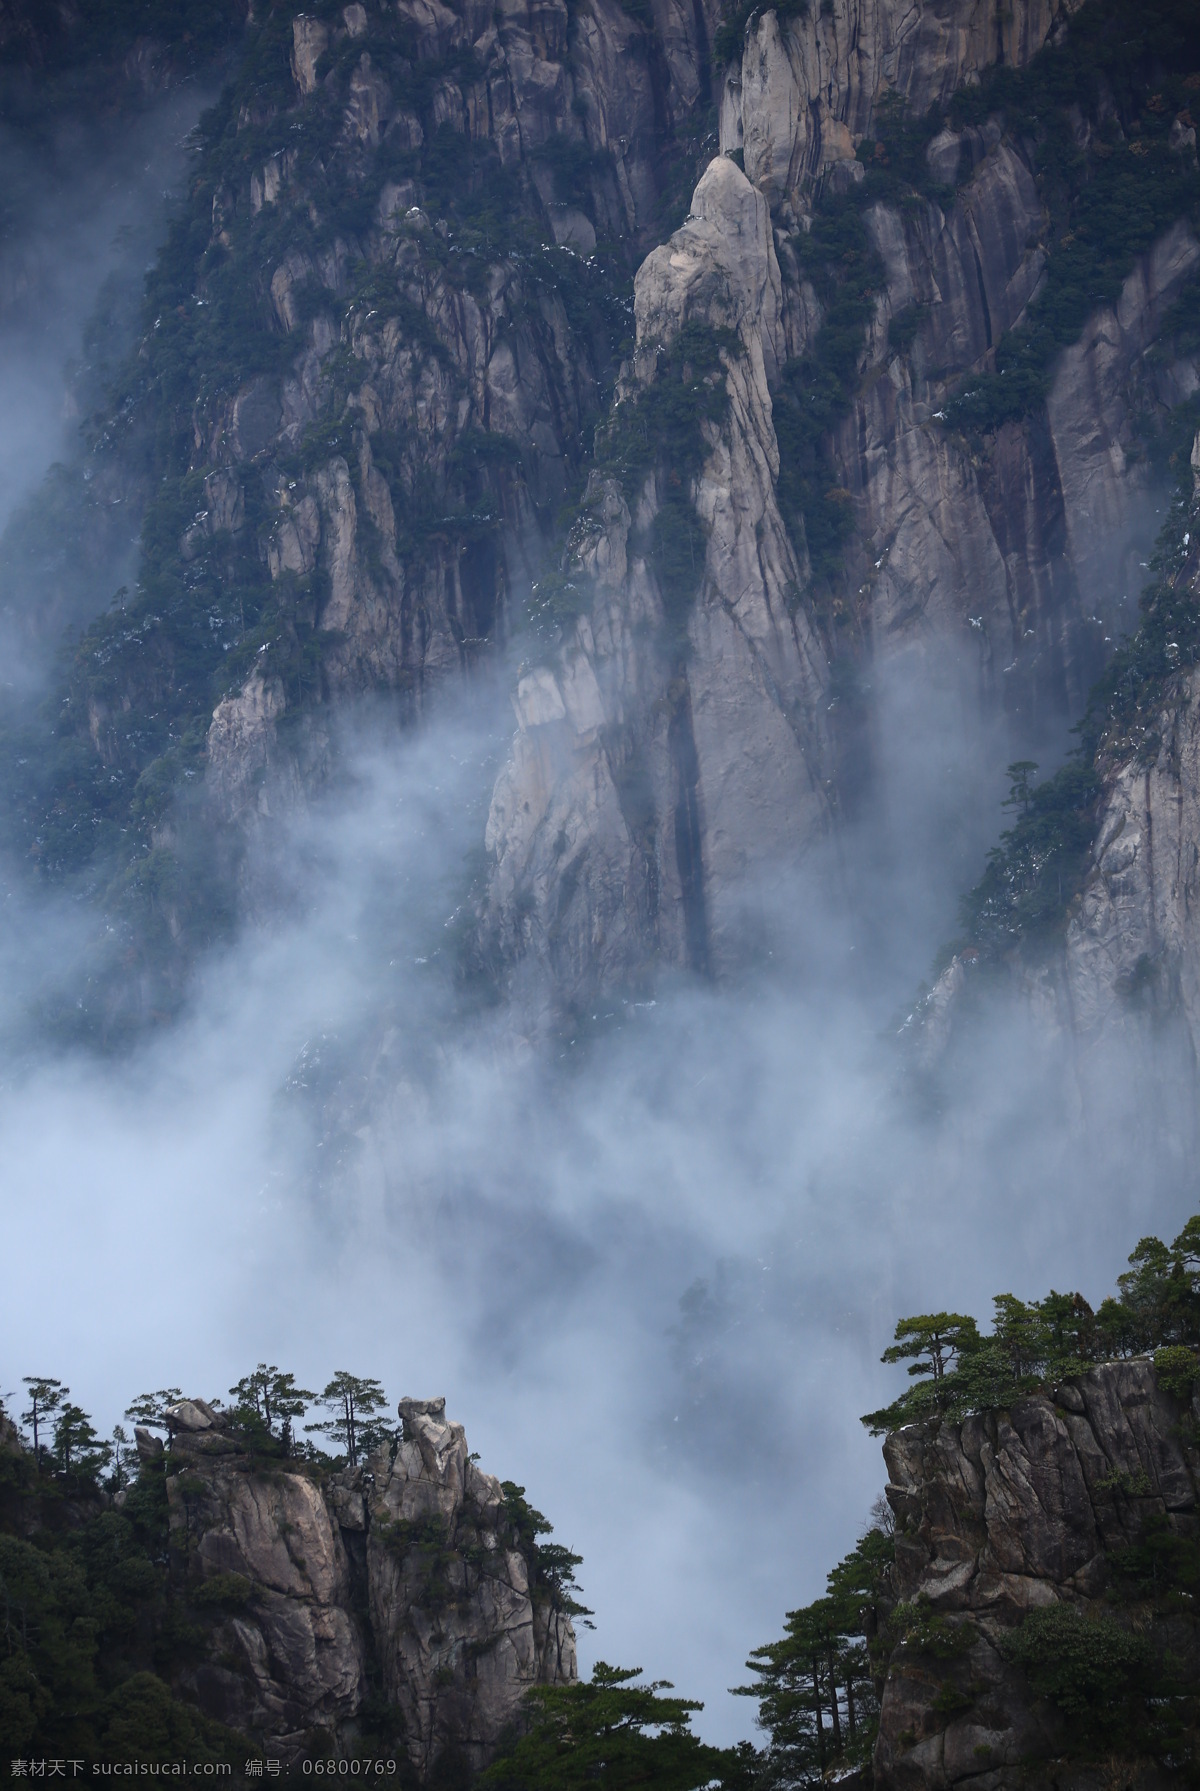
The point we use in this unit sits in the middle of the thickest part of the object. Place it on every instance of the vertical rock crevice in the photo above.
(406, 1579)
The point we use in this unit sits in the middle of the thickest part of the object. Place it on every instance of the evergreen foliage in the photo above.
(90, 1637)
(729, 39)
(553, 1566)
(1096, 109)
(817, 388)
(817, 1700)
(149, 1409)
(46, 1397)
(1036, 871)
(118, 812)
(267, 1402)
(353, 1406)
(1119, 1680)
(1095, 1672)
(957, 1369)
(607, 1731)
(97, 1626)
(661, 430)
(1119, 75)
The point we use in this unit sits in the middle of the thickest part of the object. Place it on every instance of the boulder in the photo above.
(188, 1415)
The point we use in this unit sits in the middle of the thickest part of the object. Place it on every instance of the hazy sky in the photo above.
(517, 1231)
(326, 1164)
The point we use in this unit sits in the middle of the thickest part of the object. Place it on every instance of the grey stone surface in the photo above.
(1003, 1514)
(413, 1559)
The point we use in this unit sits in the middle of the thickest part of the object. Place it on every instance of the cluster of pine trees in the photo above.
(958, 1369)
(817, 1687)
(265, 1407)
(818, 1706)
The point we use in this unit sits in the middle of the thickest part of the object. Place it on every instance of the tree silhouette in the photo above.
(611, 1734)
(45, 1397)
(352, 1404)
(79, 1450)
(1021, 775)
(271, 1397)
(149, 1409)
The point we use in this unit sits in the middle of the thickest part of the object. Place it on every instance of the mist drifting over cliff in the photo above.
(651, 1259)
(87, 199)
(651, 1265)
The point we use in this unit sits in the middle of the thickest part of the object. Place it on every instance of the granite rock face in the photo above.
(454, 359)
(1127, 966)
(387, 474)
(404, 1575)
(292, 1660)
(1131, 952)
(650, 801)
(388, 480)
(1131, 948)
(649, 789)
(461, 1635)
(805, 91)
(1003, 1514)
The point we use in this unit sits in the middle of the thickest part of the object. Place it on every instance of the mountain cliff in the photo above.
(875, 279)
(1038, 1522)
(1020, 1611)
(431, 368)
(278, 1604)
(1087, 908)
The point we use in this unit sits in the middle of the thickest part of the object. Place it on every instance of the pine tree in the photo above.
(816, 1697)
(353, 1405)
(272, 1399)
(124, 1458)
(149, 1409)
(46, 1397)
(608, 1734)
(79, 1450)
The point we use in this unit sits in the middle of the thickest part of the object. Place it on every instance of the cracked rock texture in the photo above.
(650, 792)
(651, 798)
(405, 1577)
(806, 90)
(998, 1516)
(1129, 960)
(385, 484)
(1131, 950)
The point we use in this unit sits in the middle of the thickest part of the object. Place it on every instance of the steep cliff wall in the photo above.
(655, 779)
(1131, 945)
(405, 1582)
(1019, 548)
(1055, 1505)
(388, 343)
(1089, 908)
(805, 90)
(373, 353)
